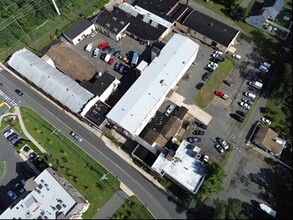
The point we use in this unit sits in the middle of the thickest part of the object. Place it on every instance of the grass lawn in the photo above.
(83, 172)
(2, 169)
(206, 94)
(277, 116)
(132, 208)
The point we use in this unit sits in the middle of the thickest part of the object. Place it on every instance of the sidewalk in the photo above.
(18, 114)
(112, 205)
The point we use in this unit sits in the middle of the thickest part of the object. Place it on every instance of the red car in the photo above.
(111, 61)
(103, 45)
(220, 94)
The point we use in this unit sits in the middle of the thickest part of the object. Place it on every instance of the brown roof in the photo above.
(171, 127)
(152, 136)
(71, 63)
(267, 137)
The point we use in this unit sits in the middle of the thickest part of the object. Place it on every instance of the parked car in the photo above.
(15, 140)
(8, 132)
(243, 114)
(193, 139)
(211, 67)
(204, 158)
(250, 95)
(198, 132)
(228, 83)
(123, 58)
(244, 105)
(32, 156)
(96, 52)
(19, 187)
(263, 68)
(218, 57)
(265, 120)
(111, 61)
(89, 47)
(222, 95)
(121, 69)
(94, 33)
(18, 92)
(12, 194)
(10, 137)
(218, 52)
(170, 109)
(103, 45)
(237, 117)
(201, 125)
(236, 56)
(219, 148)
(199, 86)
(223, 143)
(248, 101)
(214, 64)
(76, 136)
(116, 53)
(206, 76)
(117, 65)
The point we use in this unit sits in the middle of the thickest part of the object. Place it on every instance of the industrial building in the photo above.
(141, 101)
(50, 197)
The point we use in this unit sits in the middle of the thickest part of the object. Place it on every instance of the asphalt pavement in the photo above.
(146, 191)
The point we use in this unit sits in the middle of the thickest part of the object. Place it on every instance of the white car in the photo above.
(236, 56)
(204, 158)
(211, 67)
(170, 109)
(245, 105)
(265, 120)
(89, 47)
(219, 52)
(96, 52)
(214, 64)
(94, 33)
(8, 132)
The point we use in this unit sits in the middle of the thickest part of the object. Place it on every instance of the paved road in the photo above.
(154, 199)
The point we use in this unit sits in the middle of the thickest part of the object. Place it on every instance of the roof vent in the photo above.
(114, 18)
(107, 25)
(115, 30)
(211, 24)
(122, 22)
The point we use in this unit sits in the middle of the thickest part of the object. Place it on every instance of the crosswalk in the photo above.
(8, 100)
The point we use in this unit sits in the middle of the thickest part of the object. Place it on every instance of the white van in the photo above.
(89, 47)
(255, 84)
(250, 95)
(263, 68)
(236, 56)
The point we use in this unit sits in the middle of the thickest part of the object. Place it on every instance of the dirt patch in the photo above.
(71, 63)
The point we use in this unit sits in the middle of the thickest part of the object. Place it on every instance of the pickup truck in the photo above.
(76, 136)
(222, 95)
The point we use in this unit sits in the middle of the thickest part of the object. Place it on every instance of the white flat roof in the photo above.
(184, 168)
(50, 198)
(142, 97)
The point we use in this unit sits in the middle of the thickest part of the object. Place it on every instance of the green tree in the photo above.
(235, 210)
(220, 210)
(214, 179)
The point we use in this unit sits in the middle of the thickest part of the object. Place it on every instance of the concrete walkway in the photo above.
(113, 204)
(18, 114)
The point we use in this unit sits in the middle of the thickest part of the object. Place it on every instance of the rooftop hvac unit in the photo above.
(122, 22)
(107, 25)
(114, 18)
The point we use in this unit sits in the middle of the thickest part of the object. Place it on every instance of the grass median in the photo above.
(81, 170)
(206, 94)
(132, 208)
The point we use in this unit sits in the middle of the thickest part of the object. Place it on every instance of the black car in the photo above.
(241, 113)
(12, 136)
(237, 117)
(228, 83)
(18, 92)
(199, 86)
(219, 148)
(198, 132)
(201, 125)
(206, 76)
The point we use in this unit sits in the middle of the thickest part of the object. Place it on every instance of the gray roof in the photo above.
(78, 28)
(61, 87)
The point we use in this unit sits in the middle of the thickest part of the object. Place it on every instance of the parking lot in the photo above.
(16, 170)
